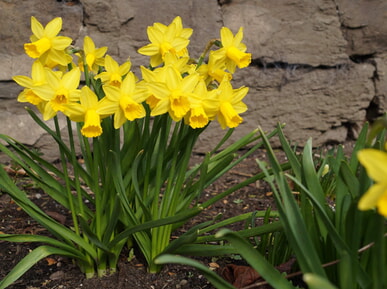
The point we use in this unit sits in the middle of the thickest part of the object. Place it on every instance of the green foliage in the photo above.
(140, 194)
(324, 227)
(335, 244)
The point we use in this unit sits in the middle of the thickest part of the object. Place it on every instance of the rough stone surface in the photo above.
(364, 25)
(319, 66)
(289, 31)
(15, 23)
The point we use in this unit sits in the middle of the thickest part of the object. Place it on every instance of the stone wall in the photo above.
(319, 66)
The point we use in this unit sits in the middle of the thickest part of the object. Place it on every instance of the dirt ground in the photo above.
(61, 273)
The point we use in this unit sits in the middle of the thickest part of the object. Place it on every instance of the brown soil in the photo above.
(59, 272)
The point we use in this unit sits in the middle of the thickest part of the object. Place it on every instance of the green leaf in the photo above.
(206, 250)
(30, 260)
(338, 241)
(293, 222)
(21, 238)
(310, 175)
(317, 282)
(290, 154)
(256, 260)
(211, 276)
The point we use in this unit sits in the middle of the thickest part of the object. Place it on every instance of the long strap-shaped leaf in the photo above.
(38, 215)
(294, 225)
(30, 260)
(211, 276)
(341, 246)
(256, 260)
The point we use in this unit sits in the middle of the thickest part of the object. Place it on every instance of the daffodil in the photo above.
(46, 45)
(85, 111)
(114, 73)
(170, 92)
(180, 63)
(204, 106)
(124, 102)
(233, 51)
(164, 39)
(38, 77)
(375, 162)
(93, 57)
(58, 91)
(230, 104)
(215, 69)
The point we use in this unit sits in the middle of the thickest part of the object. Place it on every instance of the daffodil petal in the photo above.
(112, 93)
(375, 163)
(382, 205)
(154, 35)
(71, 79)
(119, 119)
(23, 80)
(88, 98)
(53, 27)
(88, 45)
(149, 50)
(226, 36)
(37, 28)
(61, 42)
(107, 107)
(371, 197)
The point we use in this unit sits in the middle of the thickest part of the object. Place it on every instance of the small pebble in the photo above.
(57, 275)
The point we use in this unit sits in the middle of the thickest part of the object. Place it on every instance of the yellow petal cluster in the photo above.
(46, 45)
(196, 91)
(375, 162)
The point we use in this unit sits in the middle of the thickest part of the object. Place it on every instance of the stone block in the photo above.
(289, 31)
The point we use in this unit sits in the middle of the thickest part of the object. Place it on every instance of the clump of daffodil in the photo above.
(375, 162)
(46, 45)
(136, 136)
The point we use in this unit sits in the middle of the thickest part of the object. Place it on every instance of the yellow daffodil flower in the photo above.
(215, 69)
(59, 91)
(114, 73)
(230, 104)
(46, 45)
(233, 52)
(180, 63)
(204, 106)
(38, 77)
(85, 111)
(164, 39)
(124, 102)
(170, 91)
(375, 162)
(94, 57)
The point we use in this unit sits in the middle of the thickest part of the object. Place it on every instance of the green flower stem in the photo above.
(211, 43)
(67, 181)
(89, 265)
(75, 164)
(156, 211)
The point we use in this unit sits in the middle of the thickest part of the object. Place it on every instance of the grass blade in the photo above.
(256, 260)
(211, 276)
(30, 260)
